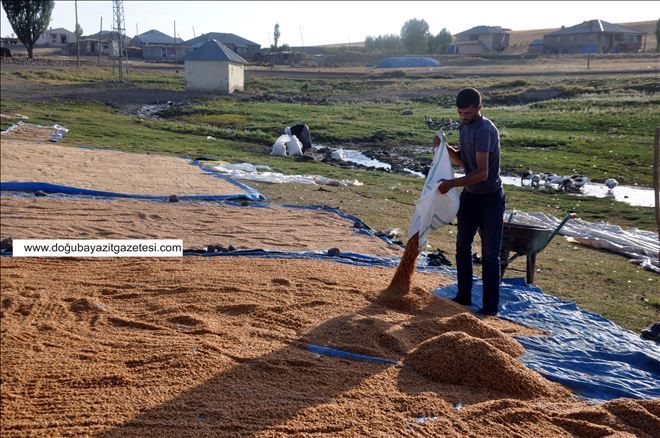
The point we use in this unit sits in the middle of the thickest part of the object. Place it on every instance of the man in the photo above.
(482, 200)
(301, 131)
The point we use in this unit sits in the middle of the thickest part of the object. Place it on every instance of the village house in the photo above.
(59, 37)
(157, 46)
(480, 40)
(239, 45)
(214, 67)
(593, 36)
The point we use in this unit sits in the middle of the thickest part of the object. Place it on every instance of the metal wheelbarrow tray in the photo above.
(526, 240)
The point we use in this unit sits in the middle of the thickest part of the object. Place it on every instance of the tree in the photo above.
(370, 44)
(440, 43)
(29, 19)
(657, 35)
(79, 31)
(276, 35)
(415, 35)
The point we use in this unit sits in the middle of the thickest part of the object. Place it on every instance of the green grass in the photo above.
(606, 133)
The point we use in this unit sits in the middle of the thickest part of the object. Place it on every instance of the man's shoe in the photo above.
(487, 312)
(462, 302)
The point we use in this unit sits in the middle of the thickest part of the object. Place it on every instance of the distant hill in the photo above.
(519, 39)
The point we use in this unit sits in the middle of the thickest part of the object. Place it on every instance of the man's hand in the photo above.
(445, 185)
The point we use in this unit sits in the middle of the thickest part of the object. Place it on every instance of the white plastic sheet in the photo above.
(261, 173)
(433, 209)
(57, 135)
(639, 245)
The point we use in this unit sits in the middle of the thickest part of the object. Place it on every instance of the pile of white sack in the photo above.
(287, 145)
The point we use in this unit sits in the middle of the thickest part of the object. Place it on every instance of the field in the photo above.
(308, 344)
(597, 125)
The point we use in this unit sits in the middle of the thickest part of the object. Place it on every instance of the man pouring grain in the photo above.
(482, 200)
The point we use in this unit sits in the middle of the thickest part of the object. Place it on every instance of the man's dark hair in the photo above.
(468, 97)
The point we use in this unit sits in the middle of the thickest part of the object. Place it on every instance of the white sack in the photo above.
(294, 146)
(433, 209)
(279, 147)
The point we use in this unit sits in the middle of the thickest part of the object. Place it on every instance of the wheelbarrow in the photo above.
(526, 240)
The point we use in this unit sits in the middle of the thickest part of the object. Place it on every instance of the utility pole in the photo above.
(194, 35)
(301, 38)
(591, 28)
(77, 36)
(120, 62)
(98, 44)
(136, 29)
(175, 60)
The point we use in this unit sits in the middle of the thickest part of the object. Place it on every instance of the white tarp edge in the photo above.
(639, 245)
(57, 135)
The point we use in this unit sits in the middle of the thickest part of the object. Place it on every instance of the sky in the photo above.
(308, 23)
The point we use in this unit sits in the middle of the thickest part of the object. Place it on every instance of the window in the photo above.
(629, 37)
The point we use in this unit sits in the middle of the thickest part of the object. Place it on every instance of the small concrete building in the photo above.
(480, 40)
(213, 67)
(59, 37)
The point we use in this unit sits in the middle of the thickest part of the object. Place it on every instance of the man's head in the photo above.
(468, 104)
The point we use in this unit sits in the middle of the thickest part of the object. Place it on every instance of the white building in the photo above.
(59, 37)
(213, 67)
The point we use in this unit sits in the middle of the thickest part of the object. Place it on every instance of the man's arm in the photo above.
(476, 176)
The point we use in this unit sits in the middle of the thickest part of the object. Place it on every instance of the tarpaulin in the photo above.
(584, 351)
(20, 186)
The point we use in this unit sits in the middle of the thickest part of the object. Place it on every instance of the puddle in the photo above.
(358, 157)
(146, 110)
(635, 196)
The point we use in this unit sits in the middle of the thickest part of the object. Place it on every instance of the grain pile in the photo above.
(23, 158)
(217, 346)
(198, 224)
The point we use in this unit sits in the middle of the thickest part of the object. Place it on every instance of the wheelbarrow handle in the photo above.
(559, 227)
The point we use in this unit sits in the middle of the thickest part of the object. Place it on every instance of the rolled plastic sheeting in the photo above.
(584, 351)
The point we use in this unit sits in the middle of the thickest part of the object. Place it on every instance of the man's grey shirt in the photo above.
(481, 136)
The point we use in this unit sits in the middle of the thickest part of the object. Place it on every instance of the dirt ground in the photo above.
(27, 156)
(217, 347)
(198, 224)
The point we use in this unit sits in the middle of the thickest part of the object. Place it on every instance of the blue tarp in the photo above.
(408, 62)
(584, 351)
(20, 186)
